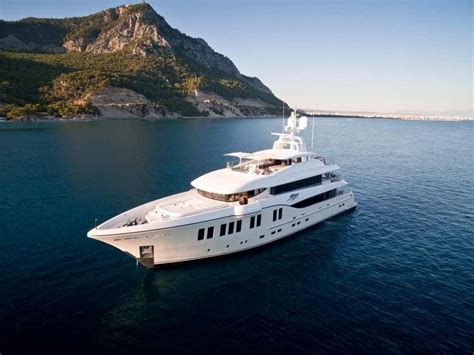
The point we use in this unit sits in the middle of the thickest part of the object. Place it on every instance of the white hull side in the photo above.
(180, 244)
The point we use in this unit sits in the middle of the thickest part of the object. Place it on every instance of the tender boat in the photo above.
(258, 199)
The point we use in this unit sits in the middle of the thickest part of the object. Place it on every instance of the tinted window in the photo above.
(231, 197)
(222, 229)
(231, 227)
(201, 234)
(210, 232)
(274, 215)
(315, 199)
(295, 185)
(252, 222)
(280, 213)
(259, 220)
(239, 226)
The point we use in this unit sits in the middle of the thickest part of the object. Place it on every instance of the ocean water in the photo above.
(394, 276)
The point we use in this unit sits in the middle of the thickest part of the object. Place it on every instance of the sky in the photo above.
(392, 56)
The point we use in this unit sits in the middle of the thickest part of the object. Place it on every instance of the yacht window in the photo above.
(274, 215)
(296, 185)
(230, 197)
(231, 227)
(210, 232)
(280, 213)
(259, 220)
(201, 234)
(239, 226)
(315, 199)
(252, 222)
(222, 229)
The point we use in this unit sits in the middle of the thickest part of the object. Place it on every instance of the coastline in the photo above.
(87, 118)
(400, 118)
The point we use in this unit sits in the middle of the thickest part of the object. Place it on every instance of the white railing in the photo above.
(329, 161)
(343, 191)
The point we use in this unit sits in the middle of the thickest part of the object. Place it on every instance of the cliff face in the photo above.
(123, 27)
(179, 65)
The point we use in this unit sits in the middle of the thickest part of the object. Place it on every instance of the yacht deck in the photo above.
(181, 205)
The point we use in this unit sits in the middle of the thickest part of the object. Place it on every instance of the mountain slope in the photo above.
(121, 62)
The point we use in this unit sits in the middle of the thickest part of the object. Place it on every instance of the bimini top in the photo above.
(239, 155)
(278, 154)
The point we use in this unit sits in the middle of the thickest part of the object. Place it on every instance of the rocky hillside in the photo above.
(121, 62)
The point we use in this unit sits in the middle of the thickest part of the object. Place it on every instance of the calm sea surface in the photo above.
(396, 275)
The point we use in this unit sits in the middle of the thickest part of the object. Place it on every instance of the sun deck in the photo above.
(181, 205)
(268, 161)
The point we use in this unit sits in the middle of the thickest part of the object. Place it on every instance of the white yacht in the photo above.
(258, 199)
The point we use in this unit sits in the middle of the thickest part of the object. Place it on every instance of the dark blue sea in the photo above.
(394, 276)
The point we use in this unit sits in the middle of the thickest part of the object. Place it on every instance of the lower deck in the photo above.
(276, 239)
(227, 235)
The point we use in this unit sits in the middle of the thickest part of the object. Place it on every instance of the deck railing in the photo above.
(342, 191)
(336, 177)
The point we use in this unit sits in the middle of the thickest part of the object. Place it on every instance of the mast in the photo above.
(283, 117)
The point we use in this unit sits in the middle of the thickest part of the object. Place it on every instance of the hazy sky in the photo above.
(389, 56)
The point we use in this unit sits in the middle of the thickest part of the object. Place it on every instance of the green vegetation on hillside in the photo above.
(35, 83)
(56, 83)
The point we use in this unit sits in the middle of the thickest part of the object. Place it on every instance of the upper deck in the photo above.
(268, 161)
(286, 162)
(233, 181)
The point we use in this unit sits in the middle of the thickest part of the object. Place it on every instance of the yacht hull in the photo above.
(158, 247)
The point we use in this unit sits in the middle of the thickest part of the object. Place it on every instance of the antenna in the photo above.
(312, 134)
(283, 117)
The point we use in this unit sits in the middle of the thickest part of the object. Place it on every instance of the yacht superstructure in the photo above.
(260, 198)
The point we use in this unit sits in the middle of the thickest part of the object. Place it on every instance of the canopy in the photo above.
(239, 155)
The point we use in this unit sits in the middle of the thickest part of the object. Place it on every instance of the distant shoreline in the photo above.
(400, 118)
(98, 118)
